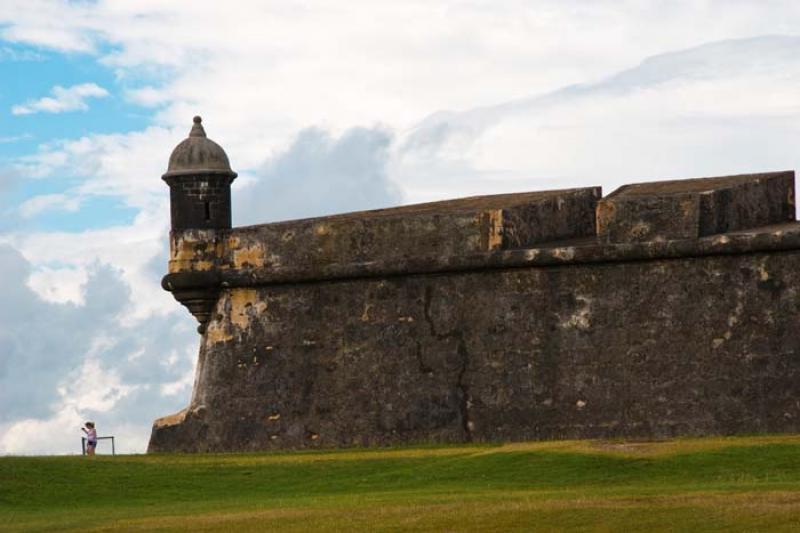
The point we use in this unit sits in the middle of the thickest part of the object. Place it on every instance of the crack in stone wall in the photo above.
(462, 387)
(423, 367)
(463, 357)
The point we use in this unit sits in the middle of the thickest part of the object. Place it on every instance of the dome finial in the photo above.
(197, 128)
(198, 155)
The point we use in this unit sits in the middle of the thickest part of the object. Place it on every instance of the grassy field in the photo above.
(718, 484)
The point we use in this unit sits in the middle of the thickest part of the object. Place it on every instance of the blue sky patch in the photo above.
(24, 80)
(28, 74)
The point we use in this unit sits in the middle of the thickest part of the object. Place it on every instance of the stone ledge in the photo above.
(686, 209)
(772, 238)
(452, 227)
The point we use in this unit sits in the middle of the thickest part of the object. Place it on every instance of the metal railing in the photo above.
(83, 444)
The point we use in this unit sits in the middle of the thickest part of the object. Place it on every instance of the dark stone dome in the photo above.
(197, 154)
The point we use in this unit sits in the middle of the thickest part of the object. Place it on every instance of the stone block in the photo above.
(451, 228)
(689, 209)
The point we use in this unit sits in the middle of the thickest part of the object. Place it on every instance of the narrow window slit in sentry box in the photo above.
(208, 212)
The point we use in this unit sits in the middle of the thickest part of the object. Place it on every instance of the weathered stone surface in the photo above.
(416, 232)
(200, 203)
(687, 209)
(454, 227)
(638, 349)
(197, 154)
(586, 250)
(199, 178)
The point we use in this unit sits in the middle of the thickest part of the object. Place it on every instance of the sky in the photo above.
(325, 107)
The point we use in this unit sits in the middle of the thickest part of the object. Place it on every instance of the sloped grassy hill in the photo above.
(730, 484)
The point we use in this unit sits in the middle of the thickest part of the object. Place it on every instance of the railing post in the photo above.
(113, 444)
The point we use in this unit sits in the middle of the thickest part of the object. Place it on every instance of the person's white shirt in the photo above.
(91, 435)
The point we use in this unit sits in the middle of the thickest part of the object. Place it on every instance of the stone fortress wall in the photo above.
(662, 309)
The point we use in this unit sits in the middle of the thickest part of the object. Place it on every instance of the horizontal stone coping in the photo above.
(574, 252)
(693, 208)
(696, 185)
(441, 207)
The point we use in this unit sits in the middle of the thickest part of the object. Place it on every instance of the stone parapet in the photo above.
(451, 228)
(775, 238)
(688, 209)
(671, 219)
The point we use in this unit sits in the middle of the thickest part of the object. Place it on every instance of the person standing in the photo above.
(91, 438)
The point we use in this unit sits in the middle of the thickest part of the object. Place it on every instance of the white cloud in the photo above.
(47, 202)
(147, 96)
(318, 175)
(56, 24)
(123, 165)
(64, 259)
(295, 65)
(85, 360)
(59, 285)
(726, 107)
(31, 436)
(12, 54)
(365, 62)
(63, 99)
(15, 138)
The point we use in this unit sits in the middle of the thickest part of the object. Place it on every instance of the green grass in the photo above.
(716, 484)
